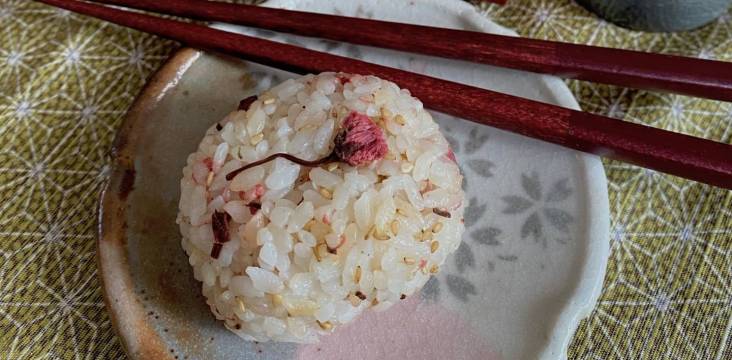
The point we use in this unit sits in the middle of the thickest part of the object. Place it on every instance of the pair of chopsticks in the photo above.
(677, 154)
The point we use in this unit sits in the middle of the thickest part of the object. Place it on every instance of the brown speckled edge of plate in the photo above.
(126, 312)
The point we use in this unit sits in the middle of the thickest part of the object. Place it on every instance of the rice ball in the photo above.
(316, 200)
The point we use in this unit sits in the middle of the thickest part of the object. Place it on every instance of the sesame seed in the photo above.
(321, 250)
(316, 253)
(269, 101)
(332, 166)
(256, 139)
(408, 260)
(209, 178)
(400, 120)
(422, 236)
(374, 302)
(385, 113)
(355, 301)
(379, 235)
(357, 274)
(395, 227)
(418, 236)
(407, 167)
(434, 269)
(242, 307)
(434, 246)
(390, 156)
(309, 225)
(277, 299)
(325, 193)
(437, 227)
(325, 325)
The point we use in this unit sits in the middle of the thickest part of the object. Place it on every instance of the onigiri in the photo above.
(316, 200)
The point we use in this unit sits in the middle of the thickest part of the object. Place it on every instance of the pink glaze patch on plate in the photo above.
(411, 329)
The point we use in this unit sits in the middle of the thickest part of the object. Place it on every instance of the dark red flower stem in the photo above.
(360, 142)
(311, 163)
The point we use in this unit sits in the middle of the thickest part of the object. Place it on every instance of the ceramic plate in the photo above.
(530, 266)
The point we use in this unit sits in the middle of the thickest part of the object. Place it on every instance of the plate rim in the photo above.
(126, 315)
(125, 312)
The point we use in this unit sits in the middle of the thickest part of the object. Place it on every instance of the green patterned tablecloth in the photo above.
(66, 81)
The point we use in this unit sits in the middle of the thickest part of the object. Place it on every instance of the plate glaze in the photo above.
(530, 267)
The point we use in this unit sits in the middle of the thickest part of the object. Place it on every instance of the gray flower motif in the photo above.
(491, 266)
(464, 257)
(351, 50)
(481, 167)
(265, 33)
(292, 41)
(473, 211)
(540, 207)
(486, 236)
(330, 45)
(361, 13)
(457, 284)
(460, 287)
(431, 290)
(454, 144)
(354, 51)
(476, 140)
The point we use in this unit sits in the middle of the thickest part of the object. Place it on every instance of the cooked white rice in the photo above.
(278, 278)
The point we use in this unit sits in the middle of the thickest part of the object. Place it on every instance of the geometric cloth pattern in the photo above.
(66, 82)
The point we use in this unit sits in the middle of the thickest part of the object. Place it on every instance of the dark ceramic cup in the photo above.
(658, 15)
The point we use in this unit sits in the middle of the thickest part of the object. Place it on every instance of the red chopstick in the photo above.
(683, 75)
(682, 155)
